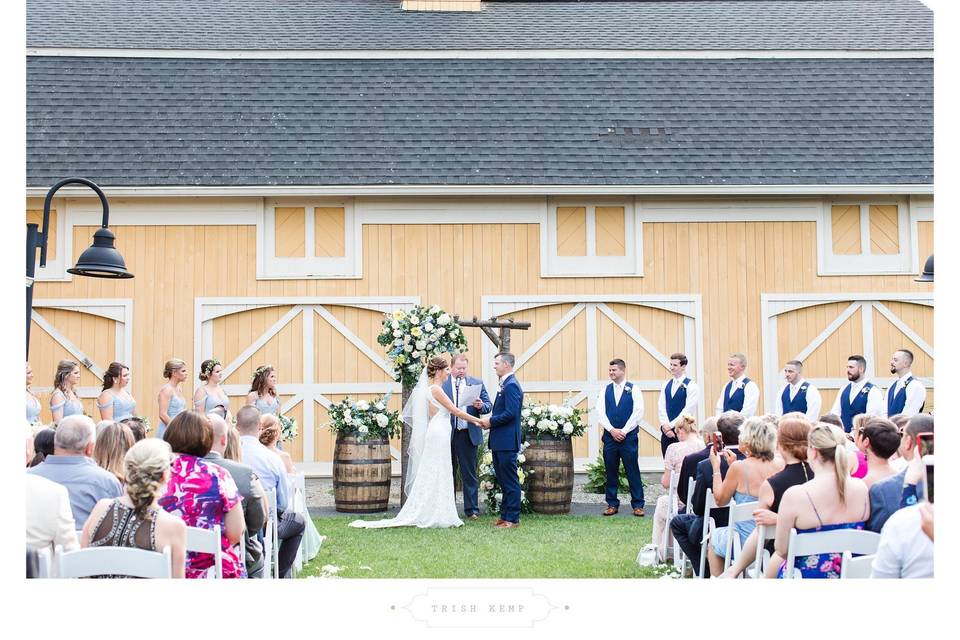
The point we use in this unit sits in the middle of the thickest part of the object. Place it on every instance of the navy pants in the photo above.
(627, 451)
(465, 453)
(687, 530)
(505, 468)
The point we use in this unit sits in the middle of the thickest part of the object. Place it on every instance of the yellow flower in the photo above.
(416, 332)
(398, 315)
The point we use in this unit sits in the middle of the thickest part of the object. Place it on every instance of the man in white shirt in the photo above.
(741, 394)
(859, 396)
(798, 394)
(49, 518)
(908, 395)
(619, 411)
(906, 549)
(678, 395)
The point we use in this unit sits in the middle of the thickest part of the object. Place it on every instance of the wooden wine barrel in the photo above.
(550, 486)
(361, 475)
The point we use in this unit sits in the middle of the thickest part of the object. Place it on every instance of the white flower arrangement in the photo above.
(412, 337)
(365, 420)
(490, 486)
(559, 421)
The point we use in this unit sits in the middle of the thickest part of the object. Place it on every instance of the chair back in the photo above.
(124, 561)
(271, 545)
(672, 507)
(709, 524)
(762, 559)
(835, 541)
(680, 559)
(207, 541)
(856, 568)
(738, 513)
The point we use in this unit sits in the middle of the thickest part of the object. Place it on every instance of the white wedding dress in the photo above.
(430, 497)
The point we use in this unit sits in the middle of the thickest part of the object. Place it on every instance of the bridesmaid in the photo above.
(263, 391)
(64, 400)
(116, 403)
(33, 402)
(170, 399)
(210, 398)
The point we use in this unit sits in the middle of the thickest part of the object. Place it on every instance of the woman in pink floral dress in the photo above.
(202, 494)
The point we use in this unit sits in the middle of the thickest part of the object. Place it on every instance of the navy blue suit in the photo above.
(504, 443)
(464, 443)
(626, 451)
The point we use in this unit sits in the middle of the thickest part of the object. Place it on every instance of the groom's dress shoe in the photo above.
(473, 516)
(639, 513)
(499, 522)
(611, 511)
(506, 524)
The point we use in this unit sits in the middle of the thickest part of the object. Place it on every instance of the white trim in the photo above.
(273, 267)
(921, 210)
(353, 339)
(308, 191)
(255, 346)
(826, 333)
(477, 54)
(645, 344)
(865, 262)
(56, 269)
(546, 337)
(630, 264)
(904, 329)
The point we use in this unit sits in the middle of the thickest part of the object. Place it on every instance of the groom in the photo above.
(504, 425)
(466, 437)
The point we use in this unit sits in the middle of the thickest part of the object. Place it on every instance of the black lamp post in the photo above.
(927, 275)
(101, 260)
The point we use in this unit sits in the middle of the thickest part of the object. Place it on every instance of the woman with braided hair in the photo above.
(134, 519)
(263, 390)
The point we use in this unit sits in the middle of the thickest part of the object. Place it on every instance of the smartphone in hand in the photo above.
(717, 442)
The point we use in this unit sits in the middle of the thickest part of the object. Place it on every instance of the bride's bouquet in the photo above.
(365, 420)
(560, 421)
(413, 337)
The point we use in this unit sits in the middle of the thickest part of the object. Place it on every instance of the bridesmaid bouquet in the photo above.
(364, 419)
(288, 428)
(413, 337)
(560, 421)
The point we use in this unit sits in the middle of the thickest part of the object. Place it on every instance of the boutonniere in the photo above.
(739, 385)
(865, 390)
(628, 388)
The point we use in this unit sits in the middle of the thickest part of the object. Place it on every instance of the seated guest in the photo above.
(793, 430)
(832, 418)
(879, 440)
(689, 465)
(831, 500)
(900, 421)
(233, 450)
(858, 458)
(103, 424)
(42, 446)
(49, 521)
(688, 441)
(202, 494)
(687, 528)
(111, 446)
(270, 435)
(273, 475)
(742, 483)
(254, 501)
(137, 427)
(906, 544)
(134, 520)
(886, 495)
(72, 466)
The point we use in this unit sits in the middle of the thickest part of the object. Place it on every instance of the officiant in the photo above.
(470, 395)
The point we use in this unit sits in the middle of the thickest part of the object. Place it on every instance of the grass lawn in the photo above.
(542, 547)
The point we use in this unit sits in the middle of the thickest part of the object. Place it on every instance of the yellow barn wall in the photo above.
(729, 263)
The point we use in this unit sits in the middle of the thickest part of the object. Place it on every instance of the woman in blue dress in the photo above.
(64, 400)
(33, 402)
(115, 402)
(170, 399)
(210, 397)
(263, 390)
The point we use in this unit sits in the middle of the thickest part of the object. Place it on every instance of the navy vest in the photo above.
(895, 403)
(799, 402)
(734, 402)
(618, 414)
(849, 410)
(676, 403)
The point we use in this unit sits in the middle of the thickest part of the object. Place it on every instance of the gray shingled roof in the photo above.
(380, 24)
(463, 122)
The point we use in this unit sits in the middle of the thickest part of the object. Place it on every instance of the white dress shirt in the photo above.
(751, 397)
(49, 518)
(916, 396)
(874, 399)
(904, 551)
(634, 421)
(693, 397)
(814, 400)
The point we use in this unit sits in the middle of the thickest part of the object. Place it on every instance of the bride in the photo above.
(429, 485)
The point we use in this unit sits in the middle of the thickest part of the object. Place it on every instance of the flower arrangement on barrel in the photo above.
(551, 428)
(414, 336)
(493, 493)
(361, 464)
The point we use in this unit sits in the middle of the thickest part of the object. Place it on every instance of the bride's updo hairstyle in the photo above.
(437, 363)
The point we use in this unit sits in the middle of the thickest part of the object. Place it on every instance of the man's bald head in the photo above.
(220, 429)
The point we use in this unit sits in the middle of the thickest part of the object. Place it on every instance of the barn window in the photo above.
(592, 238)
(307, 239)
(866, 237)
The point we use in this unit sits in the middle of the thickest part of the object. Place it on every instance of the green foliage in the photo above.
(597, 478)
(490, 488)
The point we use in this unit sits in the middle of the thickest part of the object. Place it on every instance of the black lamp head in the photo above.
(927, 275)
(101, 260)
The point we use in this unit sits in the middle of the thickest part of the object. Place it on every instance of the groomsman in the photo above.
(678, 395)
(619, 409)
(907, 395)
(466, 437)
(741, 394)
(859, 396)
(798, 394)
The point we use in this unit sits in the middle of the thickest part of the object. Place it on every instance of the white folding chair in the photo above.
(207, 541)
(709, 524)
(271, 543)
(738, 513)
(44, 563)
(124, 561)
(762, 558)
(672, 506)
(298, 491)
(680, 559)
(836, 541)
(856, 568)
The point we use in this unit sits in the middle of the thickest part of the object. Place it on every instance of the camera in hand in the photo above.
(717, 442)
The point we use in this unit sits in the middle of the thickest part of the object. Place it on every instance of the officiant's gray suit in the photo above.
(465, 439)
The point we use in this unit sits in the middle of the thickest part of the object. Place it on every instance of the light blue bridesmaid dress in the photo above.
(33, 409)
(268, 406)
(176, 405)
(211, 402)
(70, 407)
(122, 408)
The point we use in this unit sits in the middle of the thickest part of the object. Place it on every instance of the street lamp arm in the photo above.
(46, 210)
